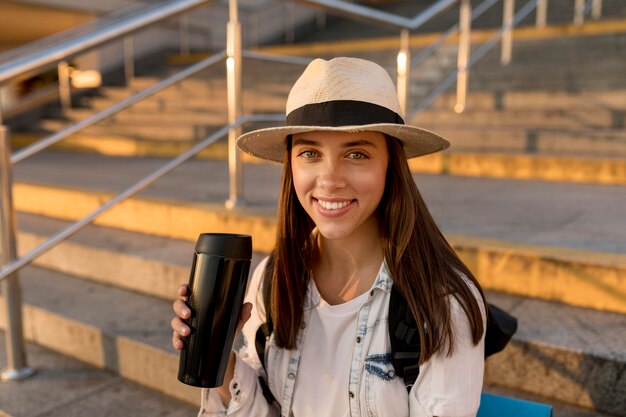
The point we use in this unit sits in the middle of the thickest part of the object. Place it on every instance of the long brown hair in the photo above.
(423, 265)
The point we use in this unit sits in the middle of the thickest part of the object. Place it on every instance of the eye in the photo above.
(357, 155)
(308, 154)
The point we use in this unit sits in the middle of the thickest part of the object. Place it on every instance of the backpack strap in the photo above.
(265, 330)
(404, 338)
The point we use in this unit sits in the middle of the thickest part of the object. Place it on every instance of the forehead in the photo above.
(323, 136)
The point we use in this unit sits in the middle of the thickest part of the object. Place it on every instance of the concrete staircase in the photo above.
(104, 296)
(97, 307)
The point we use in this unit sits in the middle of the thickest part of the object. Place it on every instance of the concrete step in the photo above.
(157, 117)
(128, 334)
(527, 119)
(574, 355)
(155, 132)
(112, 256)
(516, 154)
(66, 387)
(252, 101)
(481, 217)
(533, 141)
(120, 331)
(586, 100)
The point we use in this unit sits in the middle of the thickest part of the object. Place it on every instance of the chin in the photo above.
(333, 234)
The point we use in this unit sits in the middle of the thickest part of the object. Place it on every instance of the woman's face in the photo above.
(339, 178)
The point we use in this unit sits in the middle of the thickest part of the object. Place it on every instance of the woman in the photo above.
(351, 224)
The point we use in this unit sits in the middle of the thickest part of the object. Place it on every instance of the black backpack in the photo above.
(403, 334)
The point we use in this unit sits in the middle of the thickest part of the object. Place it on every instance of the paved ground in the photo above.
(590, 217)
(65, 387)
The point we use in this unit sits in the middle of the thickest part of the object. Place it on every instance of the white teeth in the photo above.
(333, 205)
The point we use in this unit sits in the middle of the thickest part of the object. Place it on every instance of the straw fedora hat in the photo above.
(343, 95)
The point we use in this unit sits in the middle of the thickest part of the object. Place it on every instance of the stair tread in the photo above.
(576, 329)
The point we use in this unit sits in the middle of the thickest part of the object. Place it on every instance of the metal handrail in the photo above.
(478, 54)
(68, 48)
(430, 49)
(370, 15)
(10, 268)
(116, 108)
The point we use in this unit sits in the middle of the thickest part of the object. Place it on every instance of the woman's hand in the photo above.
(183, 313)
(181, 329)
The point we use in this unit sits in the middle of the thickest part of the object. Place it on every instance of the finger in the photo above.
(179, 327)
(181, 309)
(246, 312)
(182, 290)
(176, 341)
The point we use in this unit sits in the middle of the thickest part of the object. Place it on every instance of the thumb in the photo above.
(246, 312)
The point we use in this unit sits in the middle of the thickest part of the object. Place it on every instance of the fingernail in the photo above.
(184, 331)
(186, 311)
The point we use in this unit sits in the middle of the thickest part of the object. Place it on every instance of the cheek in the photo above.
(300, 183)
(376, 182)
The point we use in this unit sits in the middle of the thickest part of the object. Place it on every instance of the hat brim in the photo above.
(269, 143)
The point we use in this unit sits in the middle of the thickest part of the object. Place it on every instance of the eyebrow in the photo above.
(309, 142)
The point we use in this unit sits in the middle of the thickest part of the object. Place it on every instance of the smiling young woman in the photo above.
(351, 225)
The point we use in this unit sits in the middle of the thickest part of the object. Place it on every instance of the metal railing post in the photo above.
(235, 108)
(542, 13)
(129, 59)
(183, 29)
(596, 9)
(465, 27)
(320, 20)
(16, 354)
(404, 70)
(65, 92)
(579, 12)
(290, 21)
(507, 35)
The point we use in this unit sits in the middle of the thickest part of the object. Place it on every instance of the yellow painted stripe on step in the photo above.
(577, 277)
(524, 167)
(124, 146)
(145, 215)
(590, 28)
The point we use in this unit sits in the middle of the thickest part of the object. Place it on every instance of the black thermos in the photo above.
(217, 286)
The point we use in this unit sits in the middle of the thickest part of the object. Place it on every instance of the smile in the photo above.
(334, 205)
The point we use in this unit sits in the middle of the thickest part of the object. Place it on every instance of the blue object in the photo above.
(498, 406)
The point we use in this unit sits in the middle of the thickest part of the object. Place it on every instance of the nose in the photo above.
(332, 175)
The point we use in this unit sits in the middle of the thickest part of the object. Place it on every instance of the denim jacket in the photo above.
(447, 386)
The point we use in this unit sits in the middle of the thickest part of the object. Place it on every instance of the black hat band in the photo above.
(342, 113)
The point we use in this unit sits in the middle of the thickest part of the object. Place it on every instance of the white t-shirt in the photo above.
(324, 370)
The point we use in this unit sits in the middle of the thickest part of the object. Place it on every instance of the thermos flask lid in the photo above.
(228, 245)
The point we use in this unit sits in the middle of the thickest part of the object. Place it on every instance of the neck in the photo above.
(348, 267)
